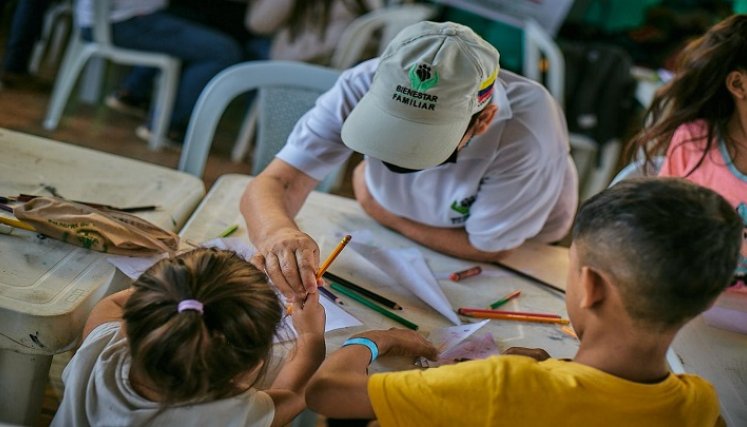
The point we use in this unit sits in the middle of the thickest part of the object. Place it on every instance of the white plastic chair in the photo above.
(639, 167)
(389, 21)
(79, 52)
(286, 90)
(542, 55)
(57, 27)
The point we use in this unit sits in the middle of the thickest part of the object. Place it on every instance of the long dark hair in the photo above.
(315, 14)
(698, 90)
(193, 356)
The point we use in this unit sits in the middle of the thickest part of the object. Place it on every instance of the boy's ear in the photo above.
(484, 119)
(736, 83)
(594, 285)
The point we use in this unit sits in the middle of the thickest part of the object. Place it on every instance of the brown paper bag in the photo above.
(102, 230)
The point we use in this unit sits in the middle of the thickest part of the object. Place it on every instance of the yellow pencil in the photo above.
(16, 223)
(517, 317)
(332, 256)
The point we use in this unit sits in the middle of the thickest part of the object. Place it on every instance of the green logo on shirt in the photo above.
(462, 207)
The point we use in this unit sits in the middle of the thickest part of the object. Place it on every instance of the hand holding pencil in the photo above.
(290, 258)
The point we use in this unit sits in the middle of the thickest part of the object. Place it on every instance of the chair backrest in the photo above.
(639, 167)
(539, 44)
(287, 89)
(389, 21)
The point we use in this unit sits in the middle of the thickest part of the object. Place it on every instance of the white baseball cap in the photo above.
(430, 80)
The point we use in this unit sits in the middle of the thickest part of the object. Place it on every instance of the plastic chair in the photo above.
(79, 52)
(57, 27)
(389, 21)
(544, 59)
(277, 82)
(639, 168)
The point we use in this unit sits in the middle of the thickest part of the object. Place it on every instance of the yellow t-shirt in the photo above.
(519, 391)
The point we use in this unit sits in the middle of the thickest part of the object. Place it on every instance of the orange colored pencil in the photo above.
(325, 265)
(518, 318)
(465, 310)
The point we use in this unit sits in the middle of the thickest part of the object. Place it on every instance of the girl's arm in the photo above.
(107, 310)
(288, 389)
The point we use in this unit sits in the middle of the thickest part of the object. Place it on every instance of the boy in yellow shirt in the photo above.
(647, 256)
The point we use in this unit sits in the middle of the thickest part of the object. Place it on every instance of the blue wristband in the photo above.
(366, 342)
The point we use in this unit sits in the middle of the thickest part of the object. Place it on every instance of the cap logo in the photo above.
(421, 78)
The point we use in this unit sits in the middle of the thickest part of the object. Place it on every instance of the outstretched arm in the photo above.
(269, 204)
(287, 391)
(339, 388)
(450, 241)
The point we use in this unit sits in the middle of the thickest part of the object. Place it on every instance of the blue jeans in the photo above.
(24, 31)
(204, 53)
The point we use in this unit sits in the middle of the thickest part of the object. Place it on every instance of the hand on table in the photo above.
(401, 342)
(290, 259)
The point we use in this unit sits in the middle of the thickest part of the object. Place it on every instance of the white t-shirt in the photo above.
(98, 392)
(120, 10)
(513, 183)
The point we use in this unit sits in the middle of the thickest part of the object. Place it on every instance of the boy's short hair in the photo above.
(670, 246)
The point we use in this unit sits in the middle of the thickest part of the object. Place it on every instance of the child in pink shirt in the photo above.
(699, 119)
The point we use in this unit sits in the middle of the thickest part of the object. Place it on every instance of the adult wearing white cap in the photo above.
(456, 158)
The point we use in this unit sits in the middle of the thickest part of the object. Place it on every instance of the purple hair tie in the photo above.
(190, 304)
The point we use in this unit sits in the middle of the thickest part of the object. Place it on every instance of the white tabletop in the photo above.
(324, 216)
(48, 287)
(720, 356)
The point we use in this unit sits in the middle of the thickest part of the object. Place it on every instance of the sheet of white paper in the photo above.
(133, 267)
(407, 267)
(337, 318)
(236, 244)
(446, 339)
(472, 348)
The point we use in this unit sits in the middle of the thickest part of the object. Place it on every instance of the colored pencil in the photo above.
(327, 293)
(466, 310)
(228, 231)
(505, 299)
(361, 299)
(363, 291)
(518, 318)
(340, 246)
(529, 277)
(16, 223)
(459, 275)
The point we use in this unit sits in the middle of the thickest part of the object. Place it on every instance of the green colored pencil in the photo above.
(505, 299)
(228, 231)
(361, 299)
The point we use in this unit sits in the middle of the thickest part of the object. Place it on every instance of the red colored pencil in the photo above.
(466, 310)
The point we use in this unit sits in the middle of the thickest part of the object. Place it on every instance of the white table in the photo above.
(47, 287)
(325, 215)
(720, 356)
